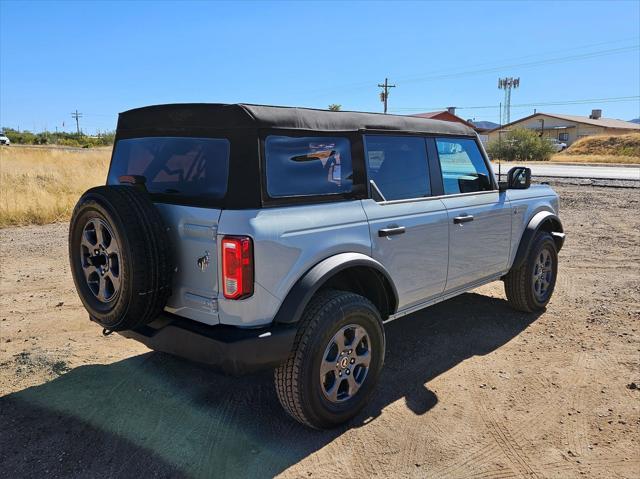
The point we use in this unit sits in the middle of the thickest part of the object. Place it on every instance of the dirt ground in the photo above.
(470, 388)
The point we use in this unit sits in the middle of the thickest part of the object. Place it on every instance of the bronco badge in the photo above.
(203, 261)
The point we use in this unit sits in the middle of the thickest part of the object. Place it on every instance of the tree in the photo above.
(335, 107)
(58, 138)
(520, 145)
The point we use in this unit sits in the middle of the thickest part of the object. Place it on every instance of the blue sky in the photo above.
(107, 57)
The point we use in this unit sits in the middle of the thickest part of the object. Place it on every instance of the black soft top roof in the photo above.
(198, 116)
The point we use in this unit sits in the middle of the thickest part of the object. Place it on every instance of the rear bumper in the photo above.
(227, 348)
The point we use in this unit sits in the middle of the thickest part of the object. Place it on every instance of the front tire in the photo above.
(335, 361)
(529, 287)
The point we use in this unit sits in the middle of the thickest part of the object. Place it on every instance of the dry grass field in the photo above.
(602, 149)
(42, 185)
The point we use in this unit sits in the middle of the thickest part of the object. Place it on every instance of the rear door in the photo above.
(408, 227)
(479, 215)
(186, 177)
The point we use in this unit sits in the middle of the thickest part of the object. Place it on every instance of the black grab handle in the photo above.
(395, 230)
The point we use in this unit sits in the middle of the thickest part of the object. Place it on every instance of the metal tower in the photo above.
(506, 84)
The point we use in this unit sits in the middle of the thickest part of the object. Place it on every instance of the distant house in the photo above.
(446, 115)
(450, 115)
(568, 128)
(482, 129)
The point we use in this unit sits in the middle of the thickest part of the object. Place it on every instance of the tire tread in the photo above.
(149, 249)
(289, 389)
(517, 281)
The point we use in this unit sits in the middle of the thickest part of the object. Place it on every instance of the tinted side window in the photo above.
(305, 166)
(463, 167)
(398, 165)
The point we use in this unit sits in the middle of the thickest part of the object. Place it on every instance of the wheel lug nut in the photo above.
(353, 360)
(348, 372)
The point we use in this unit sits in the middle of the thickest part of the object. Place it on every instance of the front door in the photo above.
(479, 216)
(408, 228)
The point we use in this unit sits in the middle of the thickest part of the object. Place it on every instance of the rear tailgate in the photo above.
(195, 282)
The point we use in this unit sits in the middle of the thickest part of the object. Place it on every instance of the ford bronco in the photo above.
(248, 237)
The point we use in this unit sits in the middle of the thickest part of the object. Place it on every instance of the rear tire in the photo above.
(530, 286)
(335, 361)
(120, 256)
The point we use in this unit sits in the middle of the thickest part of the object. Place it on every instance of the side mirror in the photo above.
(518, 178)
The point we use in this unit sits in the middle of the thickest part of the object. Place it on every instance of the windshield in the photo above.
(192, 167)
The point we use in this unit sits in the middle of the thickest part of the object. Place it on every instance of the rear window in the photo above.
(181, 166)
(307, 166)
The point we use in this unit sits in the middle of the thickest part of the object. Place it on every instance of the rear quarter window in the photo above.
(180, 166)
(307, 166)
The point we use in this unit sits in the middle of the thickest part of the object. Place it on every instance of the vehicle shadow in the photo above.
(155, 415)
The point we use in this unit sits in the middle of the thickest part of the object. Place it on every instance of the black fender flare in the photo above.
(545, 221)
(301, 293)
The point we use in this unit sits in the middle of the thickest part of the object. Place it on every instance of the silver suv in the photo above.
(250, 237)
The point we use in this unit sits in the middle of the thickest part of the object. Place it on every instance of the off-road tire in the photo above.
(297, 380)
(519, 283)
(145, 260)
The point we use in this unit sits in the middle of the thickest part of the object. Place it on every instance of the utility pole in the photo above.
(76, 116)
(507, 84)
(384, 95)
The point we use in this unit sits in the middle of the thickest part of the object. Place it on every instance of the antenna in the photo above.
(506, 84)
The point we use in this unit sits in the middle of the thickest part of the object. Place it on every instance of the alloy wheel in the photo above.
(100, 260)
(542, 274)
(345, 363)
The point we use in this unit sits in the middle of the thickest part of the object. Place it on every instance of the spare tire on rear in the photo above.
(121, 256)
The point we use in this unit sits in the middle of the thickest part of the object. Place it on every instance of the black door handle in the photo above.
(394, 230)
(463, 219)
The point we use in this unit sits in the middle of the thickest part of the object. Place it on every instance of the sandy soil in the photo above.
(470, 388)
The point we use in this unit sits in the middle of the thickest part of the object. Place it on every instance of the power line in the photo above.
(519, 105)
(549, 61)
(384, 94)
(543, 55)
(446, 74)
